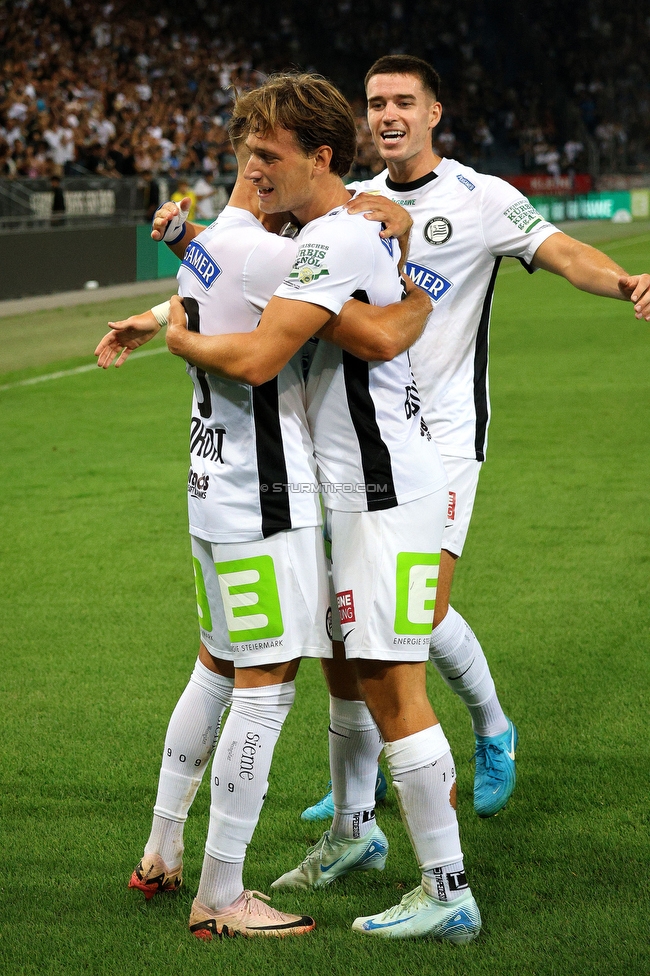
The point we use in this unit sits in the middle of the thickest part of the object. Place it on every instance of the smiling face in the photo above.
(401, 116)
(279, 170)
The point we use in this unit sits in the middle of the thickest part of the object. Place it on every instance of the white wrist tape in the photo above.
(161, 313)
(176, 227)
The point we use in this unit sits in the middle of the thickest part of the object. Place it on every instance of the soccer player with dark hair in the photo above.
(464, 223)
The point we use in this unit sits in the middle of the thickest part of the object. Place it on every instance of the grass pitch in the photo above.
(99, 637)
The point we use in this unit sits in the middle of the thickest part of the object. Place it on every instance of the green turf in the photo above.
(99, 635)
(30, 342)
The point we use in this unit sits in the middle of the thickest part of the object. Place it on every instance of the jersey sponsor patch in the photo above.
(251, 600)
(523, 215)
(437, 231)
(197, 484)
(206, 442)
(308, 265)
(345, 604)
(433, 283)
(415, 588)
(451, 507)
(201, 264)
(463, 179)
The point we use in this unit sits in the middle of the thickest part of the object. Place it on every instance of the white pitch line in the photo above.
(77, 370)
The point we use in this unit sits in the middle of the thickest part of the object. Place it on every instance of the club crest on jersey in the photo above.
(201, 264)
(438, 230)
(433, 283)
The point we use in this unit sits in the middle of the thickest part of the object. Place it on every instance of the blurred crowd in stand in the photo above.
(119, 89)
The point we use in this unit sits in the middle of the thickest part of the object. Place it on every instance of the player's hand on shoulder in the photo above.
(124, 337)
(636, 289)
(396, 219)
(170, 219)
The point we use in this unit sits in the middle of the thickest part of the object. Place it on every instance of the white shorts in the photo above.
(384, 574)
(463, 480)
(264, 602)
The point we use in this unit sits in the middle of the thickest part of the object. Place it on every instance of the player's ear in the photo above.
(435, 114)
(322, 159)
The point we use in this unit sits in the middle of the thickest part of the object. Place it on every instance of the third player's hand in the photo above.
(397, 222)
(636, 288)
(124, 337)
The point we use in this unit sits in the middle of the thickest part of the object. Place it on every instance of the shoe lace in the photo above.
(410, 902)
(256, 907)
(314, 853)
(490, 757)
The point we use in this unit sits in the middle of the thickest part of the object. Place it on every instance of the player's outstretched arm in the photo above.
(590, 270)
(170, 224)
(378, 334)
(396, 220)
(247, 357)
(127, 335)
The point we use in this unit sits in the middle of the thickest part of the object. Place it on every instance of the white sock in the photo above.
(221, 881)
(191, 737)
(355, 744)
(424, 778)
(459, 658)
(239, 782)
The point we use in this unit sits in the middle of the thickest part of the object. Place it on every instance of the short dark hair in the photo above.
(309, 106)
(406, 64)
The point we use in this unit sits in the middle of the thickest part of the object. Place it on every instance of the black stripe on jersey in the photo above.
(193, 325)
(413, 185)
(375, 456)
(271, 464)
(481, 367)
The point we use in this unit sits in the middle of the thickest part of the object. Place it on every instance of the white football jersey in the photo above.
(372, 447)
(252, 467)
(463, 224)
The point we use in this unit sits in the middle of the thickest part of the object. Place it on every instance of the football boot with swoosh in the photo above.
(333, 857)
(418, 915)
(495, 775)
(249, 915)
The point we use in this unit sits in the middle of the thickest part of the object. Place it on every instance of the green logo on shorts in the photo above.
(202, 605)
(417, 578)
(249, 591)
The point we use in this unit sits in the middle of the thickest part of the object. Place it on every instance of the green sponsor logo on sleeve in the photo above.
(417, 579)
(202, 605)
(251, 601)
(523, 215)
(308, 265)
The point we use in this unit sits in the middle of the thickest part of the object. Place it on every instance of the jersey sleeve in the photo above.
(511, 225)
(331, 266)
(268, 263)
